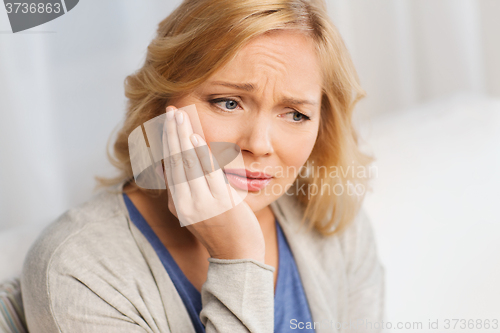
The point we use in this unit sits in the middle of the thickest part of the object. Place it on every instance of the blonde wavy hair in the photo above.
(200, 36)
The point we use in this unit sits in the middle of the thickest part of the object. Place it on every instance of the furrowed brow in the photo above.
(294, 101)
(251, 87)
(244, 86)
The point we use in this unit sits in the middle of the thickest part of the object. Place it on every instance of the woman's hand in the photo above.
(200, 197)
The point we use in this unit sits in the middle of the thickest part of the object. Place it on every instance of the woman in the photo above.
(275, 79)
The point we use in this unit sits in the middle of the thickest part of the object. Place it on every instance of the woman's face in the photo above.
(267, 101)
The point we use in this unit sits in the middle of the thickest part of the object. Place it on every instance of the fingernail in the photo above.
(178, 117)
(194, 140)
(170, 114)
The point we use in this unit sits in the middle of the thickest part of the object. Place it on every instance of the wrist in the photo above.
(255, 255)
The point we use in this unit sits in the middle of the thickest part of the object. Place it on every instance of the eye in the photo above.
(227, 103)
(298, 117)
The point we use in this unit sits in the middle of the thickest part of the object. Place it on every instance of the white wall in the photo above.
(61, 96)
(408, 52)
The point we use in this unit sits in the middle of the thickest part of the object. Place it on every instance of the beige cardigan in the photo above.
(93, 271)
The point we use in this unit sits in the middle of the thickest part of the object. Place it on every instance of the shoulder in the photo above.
(358, 232)
(354, 241)
(292, 211)
(89, 264)
(359, 244)
(87, 228)
(88, 246)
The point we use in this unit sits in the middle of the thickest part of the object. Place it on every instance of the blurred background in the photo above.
(431, 70)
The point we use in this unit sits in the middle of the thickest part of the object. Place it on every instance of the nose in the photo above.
(255, 137)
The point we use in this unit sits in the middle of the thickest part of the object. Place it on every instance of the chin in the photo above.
(258, 201)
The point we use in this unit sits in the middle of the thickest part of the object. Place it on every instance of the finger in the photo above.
(216, 179)
(192, 165)
(203, 152)
(173, 157)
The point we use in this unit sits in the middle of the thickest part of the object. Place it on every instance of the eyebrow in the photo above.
(244, 86)
(250, 87)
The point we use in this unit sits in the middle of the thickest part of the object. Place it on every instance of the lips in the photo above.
(248, 180)
(248, 174)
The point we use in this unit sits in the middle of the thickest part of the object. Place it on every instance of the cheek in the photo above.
(294, 152)
(217, 129)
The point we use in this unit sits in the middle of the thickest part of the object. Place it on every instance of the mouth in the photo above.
(248, 180)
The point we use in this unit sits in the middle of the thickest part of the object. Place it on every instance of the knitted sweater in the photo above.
(93, 271)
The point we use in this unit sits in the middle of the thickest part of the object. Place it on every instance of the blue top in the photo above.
(290, 301)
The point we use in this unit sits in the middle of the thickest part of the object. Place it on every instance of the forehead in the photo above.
(284, 57)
